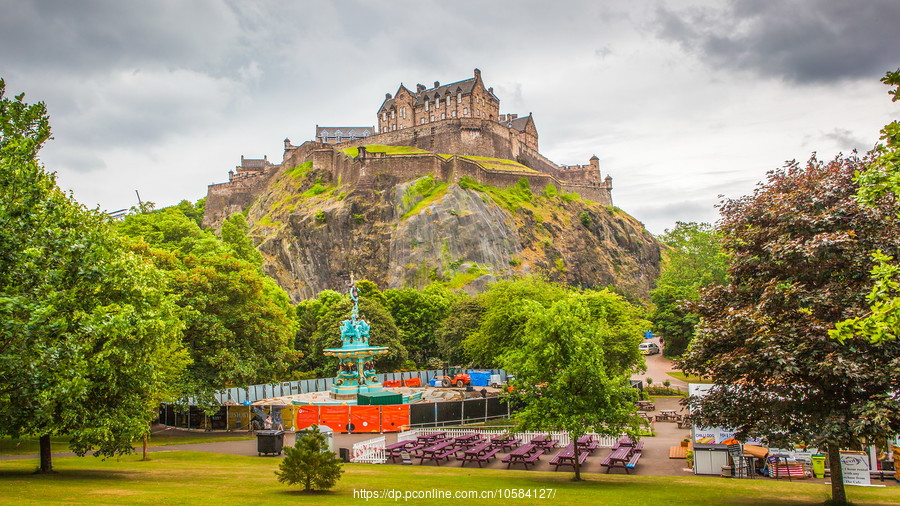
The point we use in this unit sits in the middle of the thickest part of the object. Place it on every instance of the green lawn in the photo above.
(204, 478)
(27, 446)
(381, 148)
(690, 379)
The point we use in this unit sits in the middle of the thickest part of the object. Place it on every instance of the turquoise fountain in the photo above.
(356, 373)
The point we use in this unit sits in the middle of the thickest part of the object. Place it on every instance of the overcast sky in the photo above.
(681, 101)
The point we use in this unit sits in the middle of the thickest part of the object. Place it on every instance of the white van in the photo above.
(648, 348)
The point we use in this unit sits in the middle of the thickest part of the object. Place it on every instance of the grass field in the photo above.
(10, 446)
(204, 478)
(684, 377)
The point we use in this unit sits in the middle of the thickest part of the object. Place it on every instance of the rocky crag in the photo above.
(313, 231)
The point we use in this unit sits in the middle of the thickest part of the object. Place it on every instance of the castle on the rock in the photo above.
(456, 123)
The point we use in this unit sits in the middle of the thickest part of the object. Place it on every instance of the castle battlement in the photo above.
(460, 118)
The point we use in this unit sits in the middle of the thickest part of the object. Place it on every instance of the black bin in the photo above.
(269, 441)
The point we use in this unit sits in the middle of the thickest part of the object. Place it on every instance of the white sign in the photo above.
(855, 466)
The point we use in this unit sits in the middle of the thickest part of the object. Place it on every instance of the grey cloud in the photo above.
(846, 140)
(85, 36)
(804, 41)
(81, 161)
(657, 218)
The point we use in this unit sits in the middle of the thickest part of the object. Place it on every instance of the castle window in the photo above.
(443, 115)
(465, 111)
(437, 103)
(422, 121)
(431, 118)
(453, 113)
(448, 100)
(384, 116)
(393, 127)
(459, 98)
(426, 105)
(392, 114)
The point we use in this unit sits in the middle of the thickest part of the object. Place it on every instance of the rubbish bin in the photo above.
(269, 441)
(818, 465)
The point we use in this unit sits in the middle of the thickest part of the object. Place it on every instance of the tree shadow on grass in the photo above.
(65, 475)
(303, 493)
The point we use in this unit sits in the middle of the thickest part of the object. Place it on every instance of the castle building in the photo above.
(463, 99)
(455, 125)
(250, 167)
(337, 135)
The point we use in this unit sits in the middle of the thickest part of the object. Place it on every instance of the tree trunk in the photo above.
(838, 494)
(46, 455)
(146, 437)
(577, 464)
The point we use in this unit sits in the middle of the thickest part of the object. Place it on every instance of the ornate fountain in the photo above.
(356, 372)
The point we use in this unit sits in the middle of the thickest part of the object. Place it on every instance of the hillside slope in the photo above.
(313, 232)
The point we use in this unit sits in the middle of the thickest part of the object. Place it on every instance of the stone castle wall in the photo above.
(463, 136)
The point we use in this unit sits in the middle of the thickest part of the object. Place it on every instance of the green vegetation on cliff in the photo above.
(381, 148)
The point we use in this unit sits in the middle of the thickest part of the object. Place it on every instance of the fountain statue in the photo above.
(356, 372)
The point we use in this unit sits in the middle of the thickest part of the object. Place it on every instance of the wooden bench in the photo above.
(438, 457)
(632, 461)
(471, 457)
(529, 459)
(619, 458)
(563, 459)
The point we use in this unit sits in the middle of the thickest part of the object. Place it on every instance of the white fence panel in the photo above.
(370, 451)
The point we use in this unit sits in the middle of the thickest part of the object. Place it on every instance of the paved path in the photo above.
(658, 368)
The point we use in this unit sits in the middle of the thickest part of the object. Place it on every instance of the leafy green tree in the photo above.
(573, 363)
(239, 324)
(418, 315)
(879, 181)
(310, 463)
(799, 249)
(693, 259)
(194, 211)
(234, 234)
(508, 305)
(89, 343)
(463, 319)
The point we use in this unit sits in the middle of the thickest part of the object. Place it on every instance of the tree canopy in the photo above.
(89, 344)
(692, 259)
(572, 364)
(880, 181)
(239, 325)
(800, 253)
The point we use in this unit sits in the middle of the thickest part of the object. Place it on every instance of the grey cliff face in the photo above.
(395, 236)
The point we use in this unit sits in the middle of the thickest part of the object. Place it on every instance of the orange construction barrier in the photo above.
(394, 418)
(305, 416)
(364, 419)
(334, 417)
(413, 382)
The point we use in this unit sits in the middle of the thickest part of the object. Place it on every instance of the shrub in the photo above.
(649, 381)
(320, 216)
(310, 463)
(667, 383)
(585, 218)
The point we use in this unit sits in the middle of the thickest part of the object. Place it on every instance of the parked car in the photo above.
(649, 348)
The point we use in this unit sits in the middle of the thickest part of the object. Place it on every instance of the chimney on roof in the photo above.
(420, 88)
(387, 96)
(477, 73)
(490, 90)
(437, 84)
